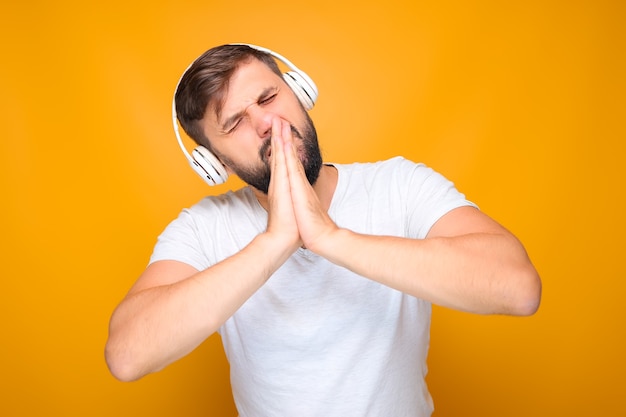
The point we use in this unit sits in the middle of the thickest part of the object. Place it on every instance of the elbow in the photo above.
(120, 361)
(121, 354)
(120, 368)
(527, 294)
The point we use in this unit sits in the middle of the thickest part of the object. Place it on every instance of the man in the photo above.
(318, 277)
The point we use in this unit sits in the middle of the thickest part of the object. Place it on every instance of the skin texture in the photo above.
(467, 262)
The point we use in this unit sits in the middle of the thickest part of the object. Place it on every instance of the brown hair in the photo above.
(206, 82)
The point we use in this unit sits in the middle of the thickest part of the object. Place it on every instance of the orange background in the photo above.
(522, 105)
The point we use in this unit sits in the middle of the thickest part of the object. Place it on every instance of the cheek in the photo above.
(234, 158)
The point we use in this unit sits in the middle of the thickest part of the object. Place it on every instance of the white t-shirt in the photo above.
(317, 339)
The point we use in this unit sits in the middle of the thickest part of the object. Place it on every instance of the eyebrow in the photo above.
(236, 116)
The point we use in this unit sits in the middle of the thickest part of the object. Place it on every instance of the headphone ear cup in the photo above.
(303, 87)
(208, 166)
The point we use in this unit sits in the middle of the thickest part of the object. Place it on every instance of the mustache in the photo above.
(264, 150)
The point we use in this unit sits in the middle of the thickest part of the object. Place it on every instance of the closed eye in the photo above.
(233, 127)
(268, 99)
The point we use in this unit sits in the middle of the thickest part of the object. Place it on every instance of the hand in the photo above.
(314, 224)
(281, 218)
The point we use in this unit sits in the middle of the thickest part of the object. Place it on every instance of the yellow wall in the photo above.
(522, 105)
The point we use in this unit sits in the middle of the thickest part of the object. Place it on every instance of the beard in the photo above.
(259, 176)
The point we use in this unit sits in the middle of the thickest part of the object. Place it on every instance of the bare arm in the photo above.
(173, 307)
(467, 262)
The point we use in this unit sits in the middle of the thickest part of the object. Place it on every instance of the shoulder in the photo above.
(225, 207)
(399, 169)
(396, 162)
(231, 200)
(215, 212)
(210, 230)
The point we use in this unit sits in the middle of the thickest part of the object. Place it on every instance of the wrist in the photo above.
(334, 245)
(273, 243)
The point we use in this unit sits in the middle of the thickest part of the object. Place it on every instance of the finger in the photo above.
(278, 167)
(295, 168)
(286, 133)
(274, 139)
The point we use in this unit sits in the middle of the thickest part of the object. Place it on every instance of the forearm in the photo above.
(157, 325)
(478, 272)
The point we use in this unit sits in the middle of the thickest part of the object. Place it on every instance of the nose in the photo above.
(261, 120)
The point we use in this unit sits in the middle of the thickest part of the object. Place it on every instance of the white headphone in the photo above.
(203, 162)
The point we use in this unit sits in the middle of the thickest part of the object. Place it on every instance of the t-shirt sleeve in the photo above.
(430, 196)
(180, 242)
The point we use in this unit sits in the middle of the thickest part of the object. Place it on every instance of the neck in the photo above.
(324, 187)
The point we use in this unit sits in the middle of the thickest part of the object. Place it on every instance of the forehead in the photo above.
(245, 86)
